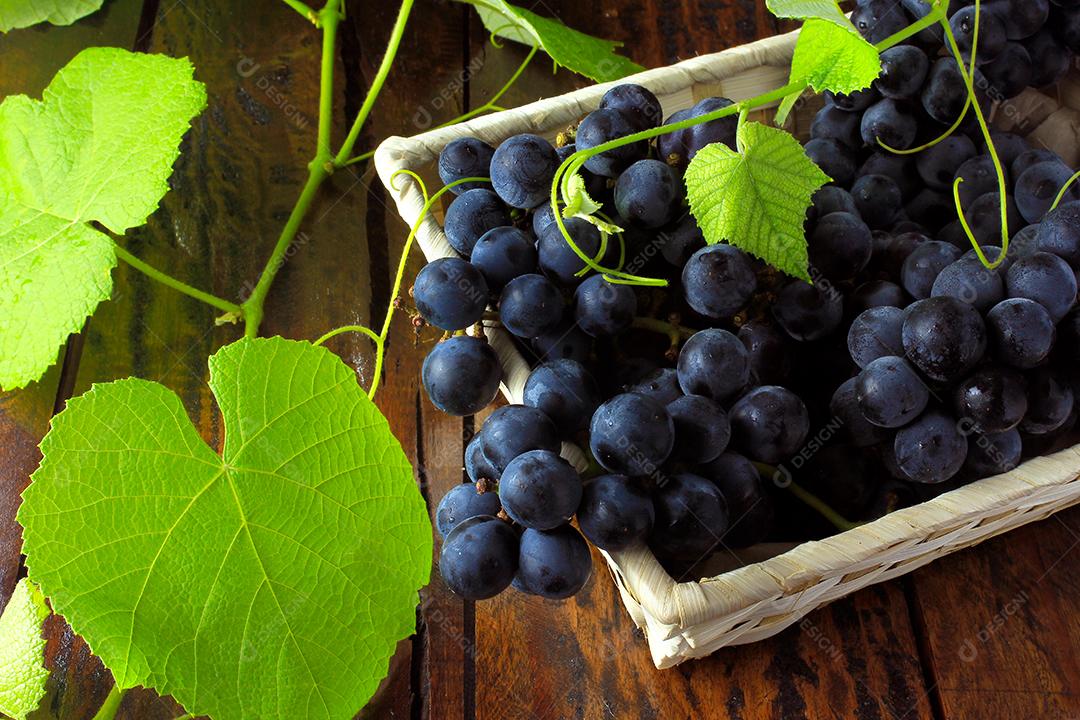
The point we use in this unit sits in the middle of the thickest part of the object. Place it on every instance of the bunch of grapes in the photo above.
(907, 368)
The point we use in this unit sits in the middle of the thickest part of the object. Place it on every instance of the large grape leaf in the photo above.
(22, 652)
(830, 54)
(584, 54)
(24, 13)
(273, 581)
(99, 146)
(756, 198)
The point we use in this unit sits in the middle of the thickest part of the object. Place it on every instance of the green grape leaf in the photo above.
(584, 54)
(273, 581)
(22, 652)
(757, 198)
(806, 9)
(24, 13)
(830, 57)
(98, 147)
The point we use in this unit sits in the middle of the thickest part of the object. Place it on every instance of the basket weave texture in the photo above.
(684, 620)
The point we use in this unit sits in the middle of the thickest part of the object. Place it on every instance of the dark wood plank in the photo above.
(28, 60)
(584, 658)
(1003, 624)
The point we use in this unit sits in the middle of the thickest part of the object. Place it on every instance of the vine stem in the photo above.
(112, 704)
(839, 521)
(233, 310)
(570, 167)
(376, 85)
(674, 332)
(304, 10)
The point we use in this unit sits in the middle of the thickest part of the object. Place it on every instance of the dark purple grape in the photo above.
(503, 254)
(530, 306)
(565, 342)
(691, 521)
(1021, 332)
(540, 490)
(945, 93)
(844, 407)
(554, 564)
(841, 245)
(715, 364)
(602, 308)
(1009, 74)
(522, 170)
(944, 337)
(769, 424)
(969, 280)
(993, 454)
(718, 281)
(876, 333)
(808, 313)
(702, 430)
(662, 385)
(602, 126)
(461, 375)
(464, 502)
(833, 123)
(1046, 279)
(464, 158)
(834, 158)
(679, 148)
(938, 165)
(932, 449)
(631, 435)
(1038, 187)
(559, 261)
(1059, 233)
(890, 123)
(1050, 402)
(472, 214)
(479, 558)
(993, 399)
(903, 71)
(770, 363)
(514, 430)
(637, 103)
(649, 194)
(750, 508)
(877, 293)
(889, 393)
(565, 392)
(615, 513)
(924, 264)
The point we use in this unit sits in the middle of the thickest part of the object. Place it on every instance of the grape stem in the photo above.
(303, 8)
(232, 311)
(108, 709)
(823, 508)
(561, 185)
(674, 332)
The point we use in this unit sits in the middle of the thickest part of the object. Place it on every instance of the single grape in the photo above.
(691, 520)
(615, 513)
(1059, 233)
(769, 424)
(565, 392)
(715, 364)
(932, 449)
(993, 399)
(522, 170)
(1049, 59)
(1046, 279)
(832, 123)
(1032, 157)
(637, 103)
(604, 309)
(1039, 186)
(680, 241)
(464, 158)
(514, 430)
(1022, 18)
(679, 148)
(938, 165)
(750, 507)
(995, 454)
(1008, 147)
(945, 94)
(844, 406)
(890, 123)
(967, 279)
(876, 294)
(565, 342)
(540, 490)
(1021, 331)
(878, 198)
(889, 393)
(543, 216)
(807, 312)
(979, 177)
(877, 20)
(631, 435)
(649, 194)
(944, 337)
(661, 385)
(477, 466)
(554, 564)
(503, 254)
(450, 293)
(464, 502)
(770, 363)
(605, 125)
(479, 558)
(992, 35)
(559, 261)
(903, 71)
(924, 264)
(1009, 74)
(900, 168)
(932, 209)
(1050, 402)
(530, 306)
(876, 333)
(830, 199)
(461, 375)
(841, 244)
(718, 281)
(891, 250)
(472, 214)
(702, 430)
(834, 158)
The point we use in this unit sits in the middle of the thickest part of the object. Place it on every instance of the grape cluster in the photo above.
(906, 368)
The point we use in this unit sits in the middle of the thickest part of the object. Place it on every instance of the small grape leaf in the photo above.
(584, 54)
(273, 581)
(757, 198)
(22, 651)
(24, 13)
(830, 54)
(829, 57)
(99, 146)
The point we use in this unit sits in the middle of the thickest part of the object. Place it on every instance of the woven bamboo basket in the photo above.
(684, 620)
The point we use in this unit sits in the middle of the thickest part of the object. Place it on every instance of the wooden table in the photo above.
(987, 633)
